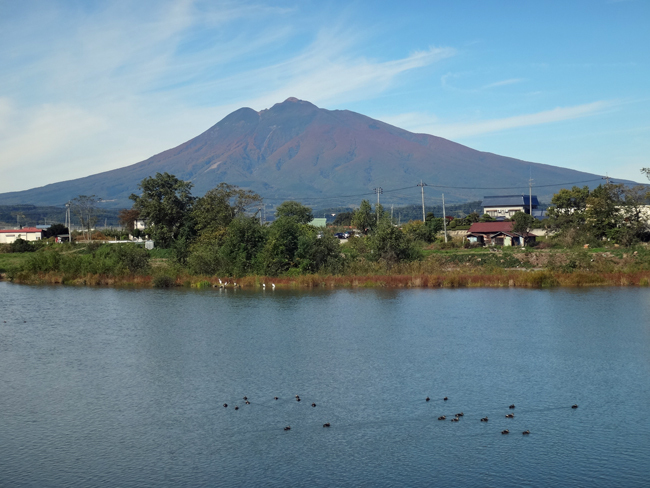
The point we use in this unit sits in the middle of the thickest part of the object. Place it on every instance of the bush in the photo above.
(164, 281)
(132, 257)
(391, 245)
(21, 245)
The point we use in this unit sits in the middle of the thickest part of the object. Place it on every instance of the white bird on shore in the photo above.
(273, 285)
(264, 285)
(220, 281)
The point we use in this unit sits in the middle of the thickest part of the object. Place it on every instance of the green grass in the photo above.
(10, 260)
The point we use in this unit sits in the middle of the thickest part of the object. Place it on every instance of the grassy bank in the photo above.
(451, 279)
(127, 266)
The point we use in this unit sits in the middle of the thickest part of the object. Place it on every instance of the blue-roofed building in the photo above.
(505, 206)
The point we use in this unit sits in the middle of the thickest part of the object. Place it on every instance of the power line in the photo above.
(435, 186)
(512, 187)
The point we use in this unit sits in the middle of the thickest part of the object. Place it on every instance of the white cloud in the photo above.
(511, 81)
(86, 90)
(429, 124)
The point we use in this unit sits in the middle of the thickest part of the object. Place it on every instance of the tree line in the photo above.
(221, 233)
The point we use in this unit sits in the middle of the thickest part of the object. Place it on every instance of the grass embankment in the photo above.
(452, 268)
(13, 260)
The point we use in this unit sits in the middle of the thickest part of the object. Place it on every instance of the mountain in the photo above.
(295, 150)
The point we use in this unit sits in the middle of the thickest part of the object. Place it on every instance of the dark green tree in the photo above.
(319, 254)
(21, 245)
(343, 219)
(391, 245)
(244, 240)
(55, 230)
(522, 222)
(220, 206)
(164, 203)
(294, 210)
(364, 218)
(279, 252)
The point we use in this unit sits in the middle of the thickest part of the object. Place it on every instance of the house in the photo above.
(8, 236)
(505, 206)
(319, 222)
(497, 234)
(139, 224)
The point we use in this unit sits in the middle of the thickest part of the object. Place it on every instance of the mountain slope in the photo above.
(295, 150)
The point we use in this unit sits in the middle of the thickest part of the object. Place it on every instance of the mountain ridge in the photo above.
(296, 150)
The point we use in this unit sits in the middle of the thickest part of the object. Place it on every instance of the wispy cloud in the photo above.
(447, 82)
(88, 88)
(511, 81)
(428, 124)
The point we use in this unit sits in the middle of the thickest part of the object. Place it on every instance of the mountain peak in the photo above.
(295, 150)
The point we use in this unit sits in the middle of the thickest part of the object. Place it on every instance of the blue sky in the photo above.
(90, 86)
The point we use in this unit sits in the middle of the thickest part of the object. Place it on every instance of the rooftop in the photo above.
(508, 200)
(23, 230)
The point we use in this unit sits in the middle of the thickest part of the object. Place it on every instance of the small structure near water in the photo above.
(498, 234)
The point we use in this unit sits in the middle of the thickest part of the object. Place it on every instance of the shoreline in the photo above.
(540, 278)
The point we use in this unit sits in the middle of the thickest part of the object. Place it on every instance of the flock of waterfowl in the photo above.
(226, 284)
(288, 427)
(455, 418)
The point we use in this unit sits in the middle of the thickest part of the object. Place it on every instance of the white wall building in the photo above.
(7, 236)
(505, 206)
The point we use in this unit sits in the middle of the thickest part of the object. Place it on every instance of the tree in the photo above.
(220, 206)
(85, 208)
(391, 245)
(294, 210)
(164, 204)
(127, 218)
(279, 253)
(55, 230)
(244, 240)
(363, 218)
(21, 245)
(343, 219)
(419, 231)
(607, 212)
(522, 222)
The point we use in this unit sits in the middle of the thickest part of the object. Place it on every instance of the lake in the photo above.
(119, 387)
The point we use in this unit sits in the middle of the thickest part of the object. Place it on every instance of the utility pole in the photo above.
(607, 178)
(530, 196)
(444, 216)
(379, 190)
(422, 185)
(391, 213)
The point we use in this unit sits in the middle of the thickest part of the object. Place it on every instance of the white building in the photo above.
(140, 224)
(8, 236)
(505, 206)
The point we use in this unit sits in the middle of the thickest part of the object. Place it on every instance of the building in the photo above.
(497, 234)
(139, 224)
(505, 206)
(8, 236)
(319, 222)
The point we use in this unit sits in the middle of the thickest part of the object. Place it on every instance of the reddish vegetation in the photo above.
(520, 279)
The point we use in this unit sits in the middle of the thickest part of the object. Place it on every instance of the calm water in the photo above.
(102, 387)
